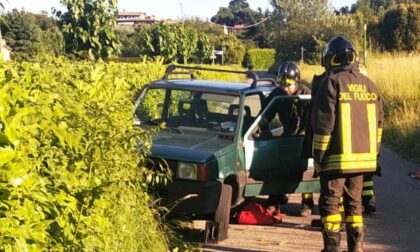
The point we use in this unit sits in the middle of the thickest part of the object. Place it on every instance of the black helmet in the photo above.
(339, 52)
(288, 74)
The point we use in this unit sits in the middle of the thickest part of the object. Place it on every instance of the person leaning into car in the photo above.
(292, 117)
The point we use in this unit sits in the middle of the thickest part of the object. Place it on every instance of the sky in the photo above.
(162, 9)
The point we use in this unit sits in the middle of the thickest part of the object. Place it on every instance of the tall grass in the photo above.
(398, 79)
(307, 72)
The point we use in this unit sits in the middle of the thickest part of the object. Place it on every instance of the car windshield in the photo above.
(179, 109)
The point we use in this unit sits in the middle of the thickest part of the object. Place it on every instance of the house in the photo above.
(134, 18)
(5, 51)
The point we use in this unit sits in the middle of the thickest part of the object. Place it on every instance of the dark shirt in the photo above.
(291, 112)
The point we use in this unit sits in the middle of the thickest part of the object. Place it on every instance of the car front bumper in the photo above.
(191, 197)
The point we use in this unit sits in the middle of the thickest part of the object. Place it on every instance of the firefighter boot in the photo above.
(369, 204)
(307, 204)
(355, 236)
(331, 241)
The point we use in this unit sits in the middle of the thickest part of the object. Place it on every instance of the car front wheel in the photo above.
(222, 214)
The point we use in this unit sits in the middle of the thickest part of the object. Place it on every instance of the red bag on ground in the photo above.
(255, 214)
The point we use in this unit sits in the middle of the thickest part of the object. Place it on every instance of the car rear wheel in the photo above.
(222, 214)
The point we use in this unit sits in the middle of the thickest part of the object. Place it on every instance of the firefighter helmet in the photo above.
(288, 74)
(339, 53)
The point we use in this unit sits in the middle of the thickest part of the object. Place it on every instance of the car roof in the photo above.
(223, 87)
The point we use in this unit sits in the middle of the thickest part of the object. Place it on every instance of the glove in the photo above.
(378, 170)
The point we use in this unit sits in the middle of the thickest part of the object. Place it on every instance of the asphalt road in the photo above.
(395, 227)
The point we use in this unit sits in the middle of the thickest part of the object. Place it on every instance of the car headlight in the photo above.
(187, 171)
(192, 171)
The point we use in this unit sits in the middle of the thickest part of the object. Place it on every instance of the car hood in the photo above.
(197, 148)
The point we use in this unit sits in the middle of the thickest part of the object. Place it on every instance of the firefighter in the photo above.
(368, 194)
(291, 113)
(292, 116)
(347, 118)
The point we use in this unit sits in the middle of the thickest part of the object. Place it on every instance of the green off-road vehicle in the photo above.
(213, 143)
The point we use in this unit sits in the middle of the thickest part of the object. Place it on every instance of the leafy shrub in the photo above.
(72, 175)
(234, 50)
(260, 58)
(174, 43)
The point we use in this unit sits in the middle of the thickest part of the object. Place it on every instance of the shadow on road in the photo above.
(226, 249)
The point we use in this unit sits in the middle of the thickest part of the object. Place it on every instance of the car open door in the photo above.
(273, 159)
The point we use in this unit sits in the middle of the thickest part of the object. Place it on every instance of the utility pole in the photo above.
(182, 12)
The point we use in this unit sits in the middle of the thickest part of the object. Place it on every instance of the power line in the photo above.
(239, 28)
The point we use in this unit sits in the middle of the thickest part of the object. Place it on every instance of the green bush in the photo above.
(260, 58)
(234, 49)
(174, 43)
(22, 34)
(72, 176)
(400, 28)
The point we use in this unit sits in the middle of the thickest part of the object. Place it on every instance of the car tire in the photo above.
(222, 215)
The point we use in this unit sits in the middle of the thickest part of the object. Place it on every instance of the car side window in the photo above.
(254, 103)
(252, 107)
(180, 103)
(151, 108)
(271, 119)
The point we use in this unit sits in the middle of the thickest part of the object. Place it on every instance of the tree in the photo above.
(51, 38)
(22, 34)
(126, 35)
(88, 27)
(224, 17)
(178, 43)
(308, 24)
(239, 13)
(400, 28)
(412, 31)
(30, 35)
(294, 24)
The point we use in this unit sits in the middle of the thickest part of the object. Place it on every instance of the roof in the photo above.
(210, 86)
(130, 13)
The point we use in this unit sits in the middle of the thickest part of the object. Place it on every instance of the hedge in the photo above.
(72, 176)
(261, 59)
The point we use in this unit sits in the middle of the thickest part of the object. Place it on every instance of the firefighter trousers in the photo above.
(348, 186)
